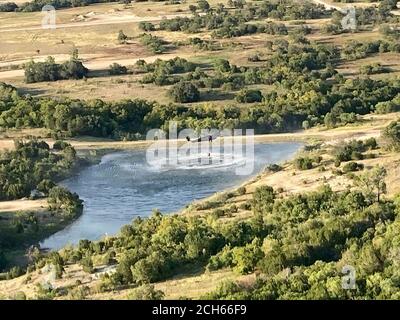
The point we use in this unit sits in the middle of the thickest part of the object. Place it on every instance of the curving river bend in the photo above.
(123, 185)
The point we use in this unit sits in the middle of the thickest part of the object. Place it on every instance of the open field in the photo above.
(22, 205)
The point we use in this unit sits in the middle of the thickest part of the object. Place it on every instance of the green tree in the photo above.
(391, 135)
(122, 37)
(146, 292)
(373, 182)
(185, 92)
(263, 199)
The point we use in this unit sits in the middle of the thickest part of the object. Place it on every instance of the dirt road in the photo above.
(93, 62)
(101, 19)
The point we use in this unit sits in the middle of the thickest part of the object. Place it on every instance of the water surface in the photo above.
(123, 186)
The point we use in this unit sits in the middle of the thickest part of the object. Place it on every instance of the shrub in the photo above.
(391, 135)
(8, 7)
(218, 213)
(185, 92)
(60, 145)
(373, 68)
(122, 37)
(155, 44)
(246, 258)
(245, 206)
(371, 143)
(146, 292)
(51, 71)
(352, 166)
(274, 167)
(117, 69)
(303, 163)
(87, 264)
(263, 199)
(249, 96)
(146, 26)
(241, 191)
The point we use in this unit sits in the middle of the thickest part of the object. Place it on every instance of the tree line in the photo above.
(33, 165)
(49, 70)
(37, 5)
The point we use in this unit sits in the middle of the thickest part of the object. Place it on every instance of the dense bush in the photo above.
(358, 50)
(62, 200)
(353, 150)
(303, 163)
(352, 166)
(117, 69)
(373, 68)
(8, 7)
(51, 71)
(146, 292)
(37, 5)
(147, 26)
(185, 92)
(249, 96)
(391, 135)
(23, 169)
(154, 43)
(60, 145)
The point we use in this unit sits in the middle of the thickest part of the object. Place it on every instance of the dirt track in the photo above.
(102, 19)
(95, 64)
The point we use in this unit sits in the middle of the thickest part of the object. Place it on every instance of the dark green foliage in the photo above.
(51, 71)
(358, 50)
(161, 72)
(147, 26)
(87, 264)
(249, 96)
(391, 135)
(274, 167)
(8, 7)
(233, 23)
(24, 169)
(146, 292)
(352, 166)
(203, 5)
(154, 43)
(117, 69)
(60, 199)
(45, 186)
(303, 71)
(263, 199)
(353, 150)
(374, 68)
(184, 92)
(122, 37)
(60, 145)
(303, 163)
(312, 237)
(37, 5)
